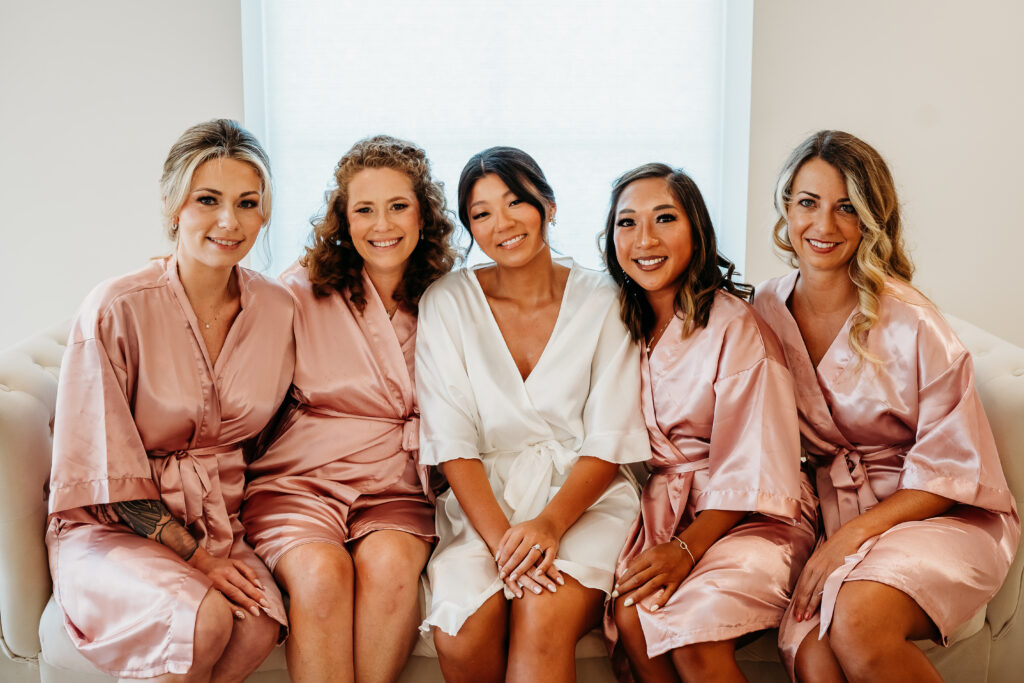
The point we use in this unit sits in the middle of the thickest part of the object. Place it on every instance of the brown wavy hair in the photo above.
(707, 272)
(869, 184)
(332, 260)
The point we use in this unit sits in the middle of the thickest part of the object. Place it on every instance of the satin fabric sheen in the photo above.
(724, 435)
(582, 398)
(913, 422)
(142, 414)
(343, 462)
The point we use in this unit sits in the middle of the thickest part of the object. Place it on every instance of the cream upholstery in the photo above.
(37, 648)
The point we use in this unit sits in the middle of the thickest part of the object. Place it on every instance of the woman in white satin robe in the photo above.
(727, 518)
(920, 528)
(170, 374)
(337, 505)
(530, 436)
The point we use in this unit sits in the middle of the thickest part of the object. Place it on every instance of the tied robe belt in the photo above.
(410, 425)
(529, 478)
(843, 486)
(183, 478)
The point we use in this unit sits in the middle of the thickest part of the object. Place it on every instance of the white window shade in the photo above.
(589, 89)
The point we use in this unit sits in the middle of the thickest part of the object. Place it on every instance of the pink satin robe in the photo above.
(913, 422)
(724, 435)
(344, 460)
(142, 414)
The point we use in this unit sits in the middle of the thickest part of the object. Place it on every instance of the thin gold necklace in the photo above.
(657, 335)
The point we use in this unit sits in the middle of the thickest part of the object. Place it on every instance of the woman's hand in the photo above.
(235, 579)
(825, 559)
(526, 555)
(658, 570)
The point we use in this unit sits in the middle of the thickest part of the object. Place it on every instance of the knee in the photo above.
(214, 625)
(318, 577)
(461, 652)
(701, 661)
(536, 623)
(391, 566)
(628, 622)
(861, 631)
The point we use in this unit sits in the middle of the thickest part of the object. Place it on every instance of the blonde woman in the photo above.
(170, 372)
(920, 528)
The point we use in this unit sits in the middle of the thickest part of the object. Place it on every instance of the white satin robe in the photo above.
(143, 414)
(582, 398)
(724, 435)
(913, 422)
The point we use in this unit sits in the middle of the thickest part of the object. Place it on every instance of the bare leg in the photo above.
(478, 652)
(214, 623)
(544, 630)
(815, 661)
(251, 641)
(872, 631)
(318, 578)
(714, 662)
(387, 610)
(631, 636)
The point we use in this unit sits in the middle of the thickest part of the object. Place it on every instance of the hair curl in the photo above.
(882, 252)
(332, 260)
(216, 139)
(707, 272)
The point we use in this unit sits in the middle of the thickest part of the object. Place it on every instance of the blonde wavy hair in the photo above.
(882, 252)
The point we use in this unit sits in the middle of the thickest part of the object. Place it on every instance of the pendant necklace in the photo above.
(657, 335)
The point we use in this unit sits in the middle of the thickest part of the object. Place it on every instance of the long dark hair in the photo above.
(708, 271)
(518, 170)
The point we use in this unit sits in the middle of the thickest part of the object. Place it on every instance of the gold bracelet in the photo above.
(682, 544)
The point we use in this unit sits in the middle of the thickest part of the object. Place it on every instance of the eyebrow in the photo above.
(210, 190)
(841, 199)
(390, 199)
(659, 207)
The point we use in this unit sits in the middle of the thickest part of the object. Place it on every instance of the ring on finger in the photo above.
(536, 546)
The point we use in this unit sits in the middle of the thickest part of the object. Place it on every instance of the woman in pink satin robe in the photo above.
(170, 372)
(920, 528)
(337, 505)
(727, 518)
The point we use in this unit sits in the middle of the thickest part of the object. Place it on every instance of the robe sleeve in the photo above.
(954, 454)
(98, 455)
(755, 444)
(448, 413)
(613, 422)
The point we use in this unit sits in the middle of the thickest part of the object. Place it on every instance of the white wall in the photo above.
(938, 88)
(92, 95)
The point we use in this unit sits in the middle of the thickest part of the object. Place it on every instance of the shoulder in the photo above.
(743, 329)
(902, 308)
(775, 291)
(268, 294)
(593, 286)
(449, 292)
(116, 297)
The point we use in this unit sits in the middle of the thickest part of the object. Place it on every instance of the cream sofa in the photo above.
(37, 648)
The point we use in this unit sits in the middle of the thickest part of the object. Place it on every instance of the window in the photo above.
(589, 89)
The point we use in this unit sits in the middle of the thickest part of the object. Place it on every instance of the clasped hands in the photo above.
(657, 571)
(526, 557)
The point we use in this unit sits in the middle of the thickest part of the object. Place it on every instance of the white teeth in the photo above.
(225, 243)
(821, 245)
(385, 243)
(513, 240)
(651, 261)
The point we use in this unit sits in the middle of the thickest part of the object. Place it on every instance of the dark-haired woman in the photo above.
(919, 525)
(337, 506)
(727, 519)
(529, 386)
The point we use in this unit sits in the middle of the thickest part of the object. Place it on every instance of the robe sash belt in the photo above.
(183, 478)
(682, 467)
(843, 484)
(529, 477)
(410, 424)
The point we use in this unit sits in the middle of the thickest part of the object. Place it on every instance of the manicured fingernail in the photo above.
(628, 603)
(239, 614)
(654, 608)
(512, 576)
(260, 586)
(255, 610)
(551, 587)
(519, 594)
(263, 601)
(536, 590)
(615, 593)
(560, 580)
(501, 575)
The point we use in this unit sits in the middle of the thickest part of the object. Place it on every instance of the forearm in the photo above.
(152, 519)
(587, 480)
(473, 491)
(708, 527)
(906, 505)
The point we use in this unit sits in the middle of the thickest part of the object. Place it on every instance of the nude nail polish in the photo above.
(628, 603)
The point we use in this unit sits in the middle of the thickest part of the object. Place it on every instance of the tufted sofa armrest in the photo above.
(28, 391)
(999, 368)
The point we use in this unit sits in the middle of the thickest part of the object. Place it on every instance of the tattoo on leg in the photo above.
(152, 519)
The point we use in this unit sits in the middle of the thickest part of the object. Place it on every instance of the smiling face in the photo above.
(506, 228)
(653, 237)
(823, 225)
(384, 219)
(221, 218)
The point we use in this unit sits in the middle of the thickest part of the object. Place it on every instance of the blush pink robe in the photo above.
(913, 422)
(142, 414)
(343, 462)
(724, 436)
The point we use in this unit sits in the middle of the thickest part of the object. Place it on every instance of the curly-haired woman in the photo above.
(337, 505)
(920, 527)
